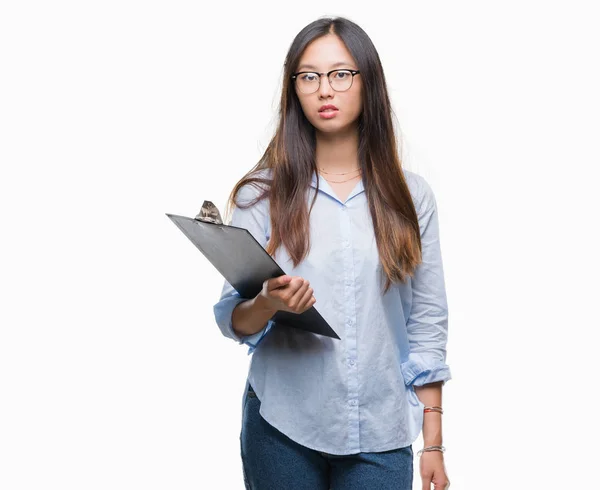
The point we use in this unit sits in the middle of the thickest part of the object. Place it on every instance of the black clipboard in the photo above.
(246, 265)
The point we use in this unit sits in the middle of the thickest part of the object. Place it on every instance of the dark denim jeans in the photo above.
(272, 461)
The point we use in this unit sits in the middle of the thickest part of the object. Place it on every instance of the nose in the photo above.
(325, 89)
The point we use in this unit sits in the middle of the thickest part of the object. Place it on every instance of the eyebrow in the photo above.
(311, 67)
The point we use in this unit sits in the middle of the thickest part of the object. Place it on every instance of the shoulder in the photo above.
(420, 190)
(252, 190)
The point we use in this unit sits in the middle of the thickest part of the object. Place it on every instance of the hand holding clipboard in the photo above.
(288, 293)
(244, 263)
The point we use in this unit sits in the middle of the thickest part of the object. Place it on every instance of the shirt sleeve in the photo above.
(255, 220)
(427, 325)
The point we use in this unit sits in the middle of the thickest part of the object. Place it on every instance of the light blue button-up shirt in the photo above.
(355, 394)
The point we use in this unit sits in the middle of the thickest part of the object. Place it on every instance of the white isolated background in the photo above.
(113, 374)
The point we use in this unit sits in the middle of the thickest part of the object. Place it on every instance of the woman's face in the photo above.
(322, 55)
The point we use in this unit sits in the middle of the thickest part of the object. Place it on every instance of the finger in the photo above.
(442, 484)
(299, 293)
(280, 281)
(296, 298)
(308, 296)
(296, 285)
(285, 293)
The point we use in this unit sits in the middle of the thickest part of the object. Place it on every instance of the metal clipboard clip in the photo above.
(209, 213)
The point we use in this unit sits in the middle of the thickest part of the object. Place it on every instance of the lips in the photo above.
(328, 108)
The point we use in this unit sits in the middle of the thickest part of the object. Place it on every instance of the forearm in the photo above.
(250, 316)
(431, 395)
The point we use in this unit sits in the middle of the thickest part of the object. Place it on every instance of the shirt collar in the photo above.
(326, 188)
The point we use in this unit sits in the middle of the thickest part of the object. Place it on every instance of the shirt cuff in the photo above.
(223, 312)
(419, 370)
(253, 340)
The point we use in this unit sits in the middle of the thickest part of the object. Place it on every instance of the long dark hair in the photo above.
(291, 157)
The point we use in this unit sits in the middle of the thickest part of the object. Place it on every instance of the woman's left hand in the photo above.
(433, 471)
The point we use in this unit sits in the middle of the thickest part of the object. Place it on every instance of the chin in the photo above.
(329, 129)
(331, 126)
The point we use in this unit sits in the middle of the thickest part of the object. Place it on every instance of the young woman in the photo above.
(358, 235)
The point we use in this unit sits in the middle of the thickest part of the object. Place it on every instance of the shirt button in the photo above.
(353, 402)
(351, 361)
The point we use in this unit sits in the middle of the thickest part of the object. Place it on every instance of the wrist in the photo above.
(262, 304)
(432, 449)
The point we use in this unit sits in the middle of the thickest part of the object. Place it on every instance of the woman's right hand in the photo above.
(288, 293)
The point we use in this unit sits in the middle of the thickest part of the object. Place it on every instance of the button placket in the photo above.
(349, 319)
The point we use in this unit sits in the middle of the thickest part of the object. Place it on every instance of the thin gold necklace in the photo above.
(340, 181)
(343, 173)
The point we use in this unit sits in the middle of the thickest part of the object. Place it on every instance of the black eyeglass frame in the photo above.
(352, 72)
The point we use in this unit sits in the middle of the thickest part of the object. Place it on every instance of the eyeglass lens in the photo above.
(339, 80)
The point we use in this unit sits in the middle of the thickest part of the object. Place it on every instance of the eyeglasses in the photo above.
(308, 82)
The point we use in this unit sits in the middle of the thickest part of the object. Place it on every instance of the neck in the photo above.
(337, 152)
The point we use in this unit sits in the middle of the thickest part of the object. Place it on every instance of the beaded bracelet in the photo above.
(431, 448)
(433, 409)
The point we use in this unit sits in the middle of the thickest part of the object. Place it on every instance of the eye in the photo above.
(308, 77)
(341, 75)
